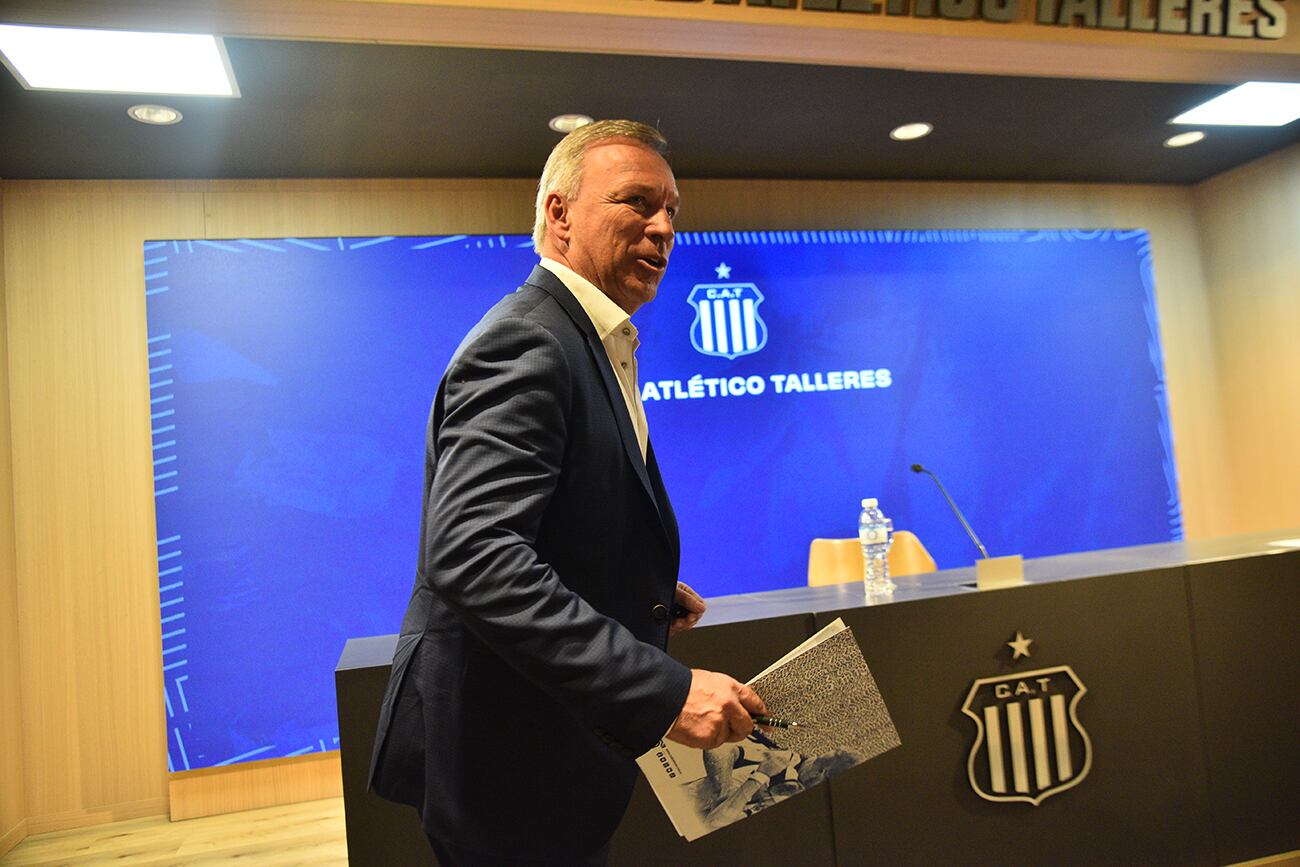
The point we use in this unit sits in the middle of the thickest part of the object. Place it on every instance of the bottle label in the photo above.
(872, 535)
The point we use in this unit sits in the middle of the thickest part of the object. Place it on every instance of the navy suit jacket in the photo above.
(530, 670)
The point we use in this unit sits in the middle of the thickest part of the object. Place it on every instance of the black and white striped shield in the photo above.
(727, 322)
(1029, 743)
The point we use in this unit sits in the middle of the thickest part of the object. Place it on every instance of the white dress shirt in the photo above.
(617, 334)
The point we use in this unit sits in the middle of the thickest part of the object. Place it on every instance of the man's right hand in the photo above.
(717, 711)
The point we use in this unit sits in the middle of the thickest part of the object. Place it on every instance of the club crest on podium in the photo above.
(727, 322)
(1029, 744)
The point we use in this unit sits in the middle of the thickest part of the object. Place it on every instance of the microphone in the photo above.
(917, 468)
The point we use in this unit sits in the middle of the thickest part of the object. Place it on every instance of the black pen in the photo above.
(774, 722)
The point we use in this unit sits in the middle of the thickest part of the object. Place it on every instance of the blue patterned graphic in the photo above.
(290, 381)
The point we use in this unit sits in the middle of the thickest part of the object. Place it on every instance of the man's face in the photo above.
(618, 231)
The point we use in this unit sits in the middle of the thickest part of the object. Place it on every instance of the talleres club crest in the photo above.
(1029, 743)
(727, 322)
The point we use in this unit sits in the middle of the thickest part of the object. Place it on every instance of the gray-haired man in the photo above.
(531, 670)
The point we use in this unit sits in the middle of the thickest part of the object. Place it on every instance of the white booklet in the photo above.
(825, 686)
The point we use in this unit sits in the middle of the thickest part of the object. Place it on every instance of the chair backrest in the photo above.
(907, 556)
(838, 561)
(834, 561)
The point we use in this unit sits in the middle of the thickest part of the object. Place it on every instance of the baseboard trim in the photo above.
(250, 785)
(96, 816)
(13, 837)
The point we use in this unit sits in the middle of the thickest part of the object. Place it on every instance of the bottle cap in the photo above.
(869, 503)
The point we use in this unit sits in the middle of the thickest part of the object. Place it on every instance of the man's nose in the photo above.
(661, 227)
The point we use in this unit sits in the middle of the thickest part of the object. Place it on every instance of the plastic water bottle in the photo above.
(875, 532)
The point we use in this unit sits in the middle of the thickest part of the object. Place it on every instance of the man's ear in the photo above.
(557, 217)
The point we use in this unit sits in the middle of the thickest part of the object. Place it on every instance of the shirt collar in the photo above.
(604, 314)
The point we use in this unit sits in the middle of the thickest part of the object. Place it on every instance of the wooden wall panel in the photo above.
(1250, 246)
(13, 800)
(252, 209)
(94, 737)
(88, 632)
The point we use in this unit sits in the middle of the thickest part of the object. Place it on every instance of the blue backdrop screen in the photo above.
(785, 375)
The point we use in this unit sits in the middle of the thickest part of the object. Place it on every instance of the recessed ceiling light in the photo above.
(116, 61)
(1255, 103)
(567, 123)
(910, 131)
(1183, 139)
(160, 115)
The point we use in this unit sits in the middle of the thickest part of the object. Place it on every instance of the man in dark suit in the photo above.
(531, 670)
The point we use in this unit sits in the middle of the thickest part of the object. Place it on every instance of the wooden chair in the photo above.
(907, 556)
(838, 561)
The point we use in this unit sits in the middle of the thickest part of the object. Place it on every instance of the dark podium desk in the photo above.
(1188, 652)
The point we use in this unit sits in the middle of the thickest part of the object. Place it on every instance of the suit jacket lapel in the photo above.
(548, 282)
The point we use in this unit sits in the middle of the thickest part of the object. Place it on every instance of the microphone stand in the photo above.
(991, 573)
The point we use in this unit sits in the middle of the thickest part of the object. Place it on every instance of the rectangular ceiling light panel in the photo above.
(1255, 103)
(117, 61)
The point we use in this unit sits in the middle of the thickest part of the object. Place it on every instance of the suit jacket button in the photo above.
(659, 613)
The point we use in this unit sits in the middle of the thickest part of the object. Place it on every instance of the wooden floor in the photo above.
(306, 833)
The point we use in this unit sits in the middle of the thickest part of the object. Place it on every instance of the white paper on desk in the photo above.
(825, 685)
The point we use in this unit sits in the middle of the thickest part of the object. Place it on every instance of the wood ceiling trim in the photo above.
(703, 30)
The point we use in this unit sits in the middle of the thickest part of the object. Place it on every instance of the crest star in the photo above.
(1019, 647)
(723, 271)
